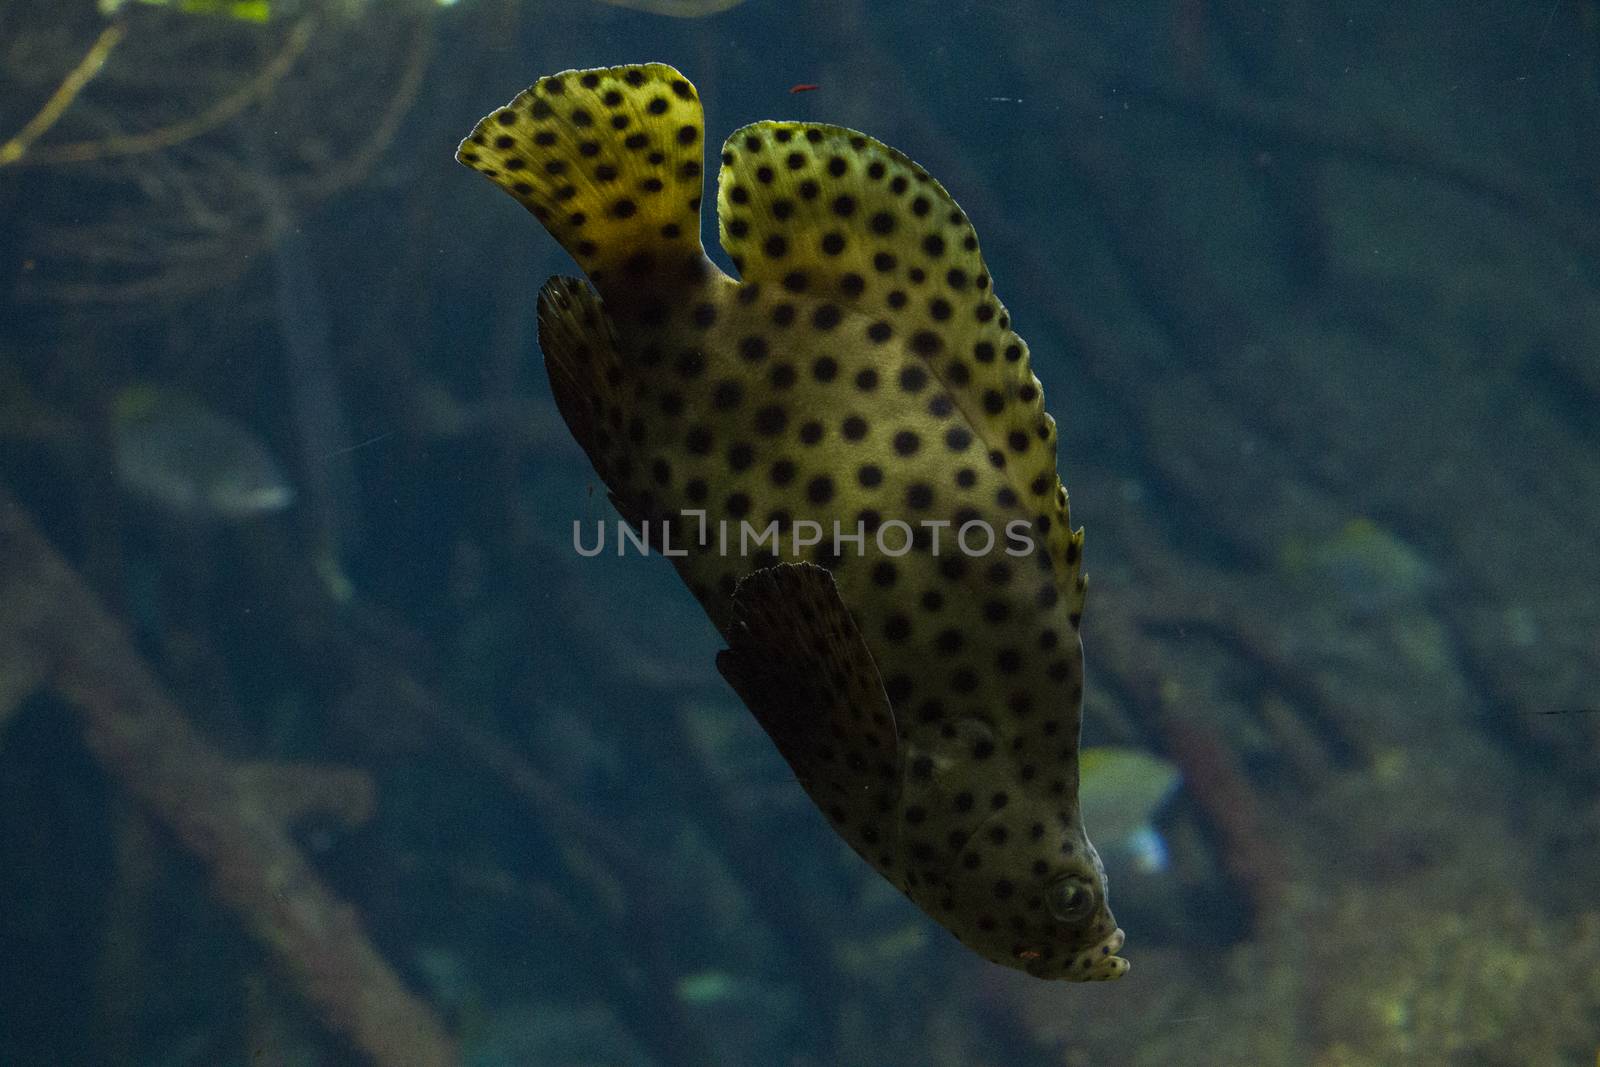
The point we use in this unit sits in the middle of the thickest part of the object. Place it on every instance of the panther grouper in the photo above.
(921, 672)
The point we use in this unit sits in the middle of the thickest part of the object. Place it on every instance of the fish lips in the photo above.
(1099, 963)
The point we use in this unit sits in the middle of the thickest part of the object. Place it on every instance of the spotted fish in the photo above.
(859, 372)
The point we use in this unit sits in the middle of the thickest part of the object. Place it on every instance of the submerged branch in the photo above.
(215, 115)
(67, 92)
(230, 816)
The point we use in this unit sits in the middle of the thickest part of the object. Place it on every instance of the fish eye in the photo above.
(1071, 899)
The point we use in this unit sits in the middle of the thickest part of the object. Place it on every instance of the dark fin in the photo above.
(846, 218)
(630, 514)
(580, 355)
(799, 662)
(609, 160)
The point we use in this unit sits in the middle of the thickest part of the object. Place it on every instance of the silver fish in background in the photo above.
(185, 458)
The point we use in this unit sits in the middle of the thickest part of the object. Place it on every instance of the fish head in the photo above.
(1079, 920)
(1050, 918)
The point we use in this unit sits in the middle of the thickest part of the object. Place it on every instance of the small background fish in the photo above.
(244, 10)
(1121, 791)
(177, 453)
(1367, 569)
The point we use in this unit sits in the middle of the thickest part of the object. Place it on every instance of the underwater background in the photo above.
(320, 745)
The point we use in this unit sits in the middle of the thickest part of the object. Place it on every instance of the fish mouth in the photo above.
(1101, 963)
(1098, 963)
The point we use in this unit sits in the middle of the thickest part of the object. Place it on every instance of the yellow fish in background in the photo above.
(244, 10)
(1120, 790)
(861, 372)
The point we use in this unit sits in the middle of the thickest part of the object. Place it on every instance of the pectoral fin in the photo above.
(799, 662)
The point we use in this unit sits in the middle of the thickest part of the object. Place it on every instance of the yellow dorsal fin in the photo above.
(610, 160)
(830, 212)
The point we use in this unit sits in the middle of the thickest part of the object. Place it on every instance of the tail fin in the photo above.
(610, 160)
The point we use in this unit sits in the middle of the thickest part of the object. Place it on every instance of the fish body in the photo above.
(861, 377)
(175, 452)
